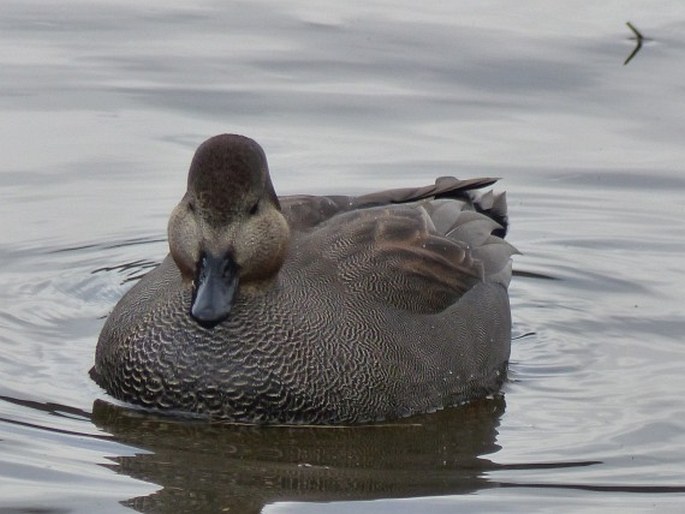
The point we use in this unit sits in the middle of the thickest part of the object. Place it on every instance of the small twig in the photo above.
(639, 38)
(637, 33)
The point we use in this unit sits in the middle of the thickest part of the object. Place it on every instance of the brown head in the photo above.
(227, 234)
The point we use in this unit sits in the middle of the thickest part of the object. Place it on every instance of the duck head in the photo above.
(227, 234)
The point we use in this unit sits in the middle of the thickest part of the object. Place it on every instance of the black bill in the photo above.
(215, 288)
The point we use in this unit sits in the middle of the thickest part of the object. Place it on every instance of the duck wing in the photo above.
(306, 211)
(419, 250)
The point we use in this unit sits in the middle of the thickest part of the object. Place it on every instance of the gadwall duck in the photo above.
(314, 309)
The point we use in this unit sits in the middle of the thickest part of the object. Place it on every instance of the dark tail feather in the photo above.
(493, 206)
(444, 187)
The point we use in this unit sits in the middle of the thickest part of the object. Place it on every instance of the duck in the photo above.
(314, 310)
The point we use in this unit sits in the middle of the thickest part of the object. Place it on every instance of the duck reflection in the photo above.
(226, 468)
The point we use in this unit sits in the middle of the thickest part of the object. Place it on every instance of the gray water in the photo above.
(103, 104)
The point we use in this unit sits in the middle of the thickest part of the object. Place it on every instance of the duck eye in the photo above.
(254, 208)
